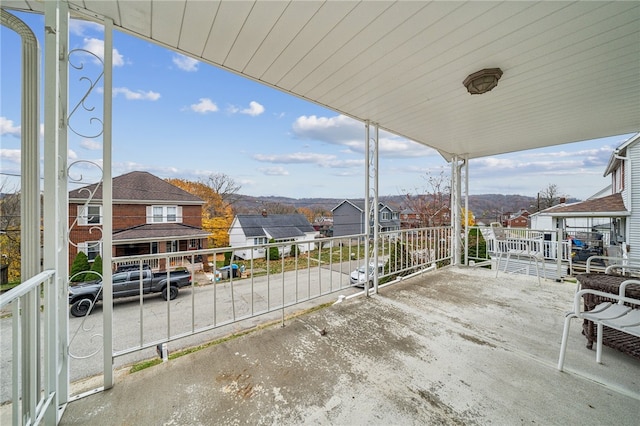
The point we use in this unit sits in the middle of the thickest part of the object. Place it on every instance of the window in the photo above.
(154, 247)
(172, 246)
(90, 214)
(164, 214)
(91, 248)
(385, 216)
(193, 244)
(259, 241)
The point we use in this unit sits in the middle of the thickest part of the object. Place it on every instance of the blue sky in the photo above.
(178, 118)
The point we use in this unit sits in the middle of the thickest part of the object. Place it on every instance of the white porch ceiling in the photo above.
(571, 69)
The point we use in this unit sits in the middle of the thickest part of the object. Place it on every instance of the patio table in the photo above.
(608, 283)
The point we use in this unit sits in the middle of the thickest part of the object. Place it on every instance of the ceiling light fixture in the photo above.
(482, 81)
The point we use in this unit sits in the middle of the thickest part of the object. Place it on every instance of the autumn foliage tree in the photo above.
(217, 214)
(10, 231)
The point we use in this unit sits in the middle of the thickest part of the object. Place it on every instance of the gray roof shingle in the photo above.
(278, 226)
(158, 232)
(139, 187)
(611, 204)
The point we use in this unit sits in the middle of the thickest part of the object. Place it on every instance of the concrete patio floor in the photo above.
(455, 346)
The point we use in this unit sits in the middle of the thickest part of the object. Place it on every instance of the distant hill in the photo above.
(485, 205)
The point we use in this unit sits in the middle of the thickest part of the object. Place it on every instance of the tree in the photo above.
(80, 264)
(470, 218)
(278, 208)
(273, 253)
(548, 197)
(308, 213)
(10, 230)
(224, 186)
(431, 201)
(217, 214)
(96, 267)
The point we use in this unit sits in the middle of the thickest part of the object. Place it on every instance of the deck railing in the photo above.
(259, 286)
(481, 248)
(35, 385)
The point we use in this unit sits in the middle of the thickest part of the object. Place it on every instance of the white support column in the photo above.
(367, 221)
(466, 211)
(107, 202)
(455, 210)
(30, 217)
(56, 220)
(376, 209)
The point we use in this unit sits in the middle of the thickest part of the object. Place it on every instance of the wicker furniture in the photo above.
(608, 283)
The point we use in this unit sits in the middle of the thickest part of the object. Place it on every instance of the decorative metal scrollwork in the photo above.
(82, 307)
(90, 195)
(77, 59)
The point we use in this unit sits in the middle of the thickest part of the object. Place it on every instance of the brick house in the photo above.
(149, 216)
(518, 220)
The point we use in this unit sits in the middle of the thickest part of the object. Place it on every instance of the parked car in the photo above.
(359, 276)
(83, 296)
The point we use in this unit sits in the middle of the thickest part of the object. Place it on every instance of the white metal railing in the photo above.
(482, 247)
(259, 286)
(35, 332)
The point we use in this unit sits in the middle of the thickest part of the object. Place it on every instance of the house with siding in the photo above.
(349, 218)
(250, 232)
(150, 216)
(619, 210)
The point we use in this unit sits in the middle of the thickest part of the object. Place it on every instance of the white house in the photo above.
(616, 214)
(251, 232)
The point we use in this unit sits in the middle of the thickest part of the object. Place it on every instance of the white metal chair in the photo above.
(507, 245)
(617, 315)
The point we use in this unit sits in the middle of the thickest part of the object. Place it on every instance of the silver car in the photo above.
(359, 276)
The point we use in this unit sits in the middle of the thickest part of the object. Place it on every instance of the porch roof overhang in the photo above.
(571, 70)
(156, 232)
(609, 206)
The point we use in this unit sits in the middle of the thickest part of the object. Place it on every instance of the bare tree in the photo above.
(225, 186)
(431, 202)
(548, 197)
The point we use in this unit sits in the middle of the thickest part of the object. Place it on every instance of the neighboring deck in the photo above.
(455, 346)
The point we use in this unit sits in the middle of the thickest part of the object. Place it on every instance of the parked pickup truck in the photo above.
(83, 296)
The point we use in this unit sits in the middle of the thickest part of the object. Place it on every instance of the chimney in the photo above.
(563, 200)
(264, 212)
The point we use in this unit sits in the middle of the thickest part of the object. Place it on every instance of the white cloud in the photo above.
(10, 155)
(321, 160)
(274, 171)
(8, 128)
(90, 145)
(80, 27)
(254, 109)
(96, 46)
(72, 155)
(136, 95)
(337, 130)
(345, 131)
(185, 63)
(204, 106)
(295, 158)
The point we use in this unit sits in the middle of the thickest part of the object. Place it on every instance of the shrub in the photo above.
(273, 253)
(95, 267)
(80, 264)
(294, 250)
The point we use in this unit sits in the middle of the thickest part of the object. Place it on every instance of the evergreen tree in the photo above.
(97, 268)
(273, 253)
(80, 264)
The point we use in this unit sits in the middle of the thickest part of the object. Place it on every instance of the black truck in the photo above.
(83, 296)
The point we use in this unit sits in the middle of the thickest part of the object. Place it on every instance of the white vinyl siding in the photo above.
(164, 214)
(90, 214)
